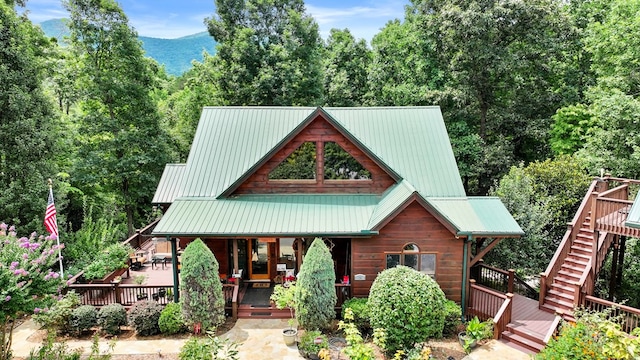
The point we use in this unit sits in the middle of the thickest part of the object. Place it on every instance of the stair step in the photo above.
(560, 295)
(564, 282)
(522, 341)
(579, 256)
(585, 243)
(524, 331)
(552, 309)
(576, 262)
(514, 345)
(572, 269)
(560, 288)
(559, 304)
(569, 276)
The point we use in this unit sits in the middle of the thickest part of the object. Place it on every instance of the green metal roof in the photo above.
(633, 219)
(481, 216)
(413, 141)
(169, 186)
(230, 141)
(270, 215)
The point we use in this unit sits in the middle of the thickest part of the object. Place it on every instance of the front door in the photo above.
(259, 259)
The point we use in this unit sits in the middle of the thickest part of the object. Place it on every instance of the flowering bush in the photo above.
(58, 317)
(27, 278)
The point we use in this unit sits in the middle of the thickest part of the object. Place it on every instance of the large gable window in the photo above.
(340, 165)
(412, 257)
(300, 165)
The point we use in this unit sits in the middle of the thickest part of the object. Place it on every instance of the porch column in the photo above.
(174, 262)
(235, 257)
(465, 272)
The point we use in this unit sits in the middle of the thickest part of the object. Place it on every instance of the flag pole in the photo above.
(57, 235)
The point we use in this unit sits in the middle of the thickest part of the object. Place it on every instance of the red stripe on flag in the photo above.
(50, 221)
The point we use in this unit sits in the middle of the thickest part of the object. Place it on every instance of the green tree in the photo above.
(26, 278)
(27, 126)
(315, 294)
(570, 127)
(404, 68)
(268, 53)
(202, 300)
(122, 146)
(345, 64)
(542, 197)
(502, 66)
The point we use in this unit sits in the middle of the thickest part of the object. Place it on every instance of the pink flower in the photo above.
(7, 298)
(12, 228)
(13, 265)
(3, 226)
(36, 310)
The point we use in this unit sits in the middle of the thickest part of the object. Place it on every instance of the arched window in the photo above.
(412, 257)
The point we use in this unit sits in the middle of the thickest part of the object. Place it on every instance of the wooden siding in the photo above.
(319, 130)
(414, 224)
(219, 249)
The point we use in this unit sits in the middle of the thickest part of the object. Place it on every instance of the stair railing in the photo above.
(503, 317)
(567, 240)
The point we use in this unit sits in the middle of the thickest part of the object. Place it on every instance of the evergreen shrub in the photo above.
(144, 316)
(202, 298)
(315, 296)
(171, 321)
(83, 318)
(408, 305)
(111, 317)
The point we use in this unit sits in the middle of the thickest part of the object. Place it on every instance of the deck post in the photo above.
(174, 262)
(543, 288)
(465, 273)
(512, 274)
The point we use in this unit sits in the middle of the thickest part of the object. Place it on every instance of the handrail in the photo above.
(615, 192)
(630, 316)
(567, 240)
(502, 317)
(511, 283)
(553, 328)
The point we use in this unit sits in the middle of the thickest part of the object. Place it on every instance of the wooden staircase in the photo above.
(561, 294)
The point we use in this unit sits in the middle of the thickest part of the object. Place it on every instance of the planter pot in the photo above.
(289, 336)
(462, 337)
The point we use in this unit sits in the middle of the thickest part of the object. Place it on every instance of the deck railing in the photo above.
(503, 317)
(127, 294)
(505, 281)
(141, 236)
(483, 302)
(567, 240)
(629, 317)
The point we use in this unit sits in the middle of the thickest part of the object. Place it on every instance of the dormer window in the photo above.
(300, 165)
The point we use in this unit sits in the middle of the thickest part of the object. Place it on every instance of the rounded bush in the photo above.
(408, 305)
(144, 316)
(83, 318)
(171, 321)
(452, 316)
(315, 295)
(360, 310)
(111, 317)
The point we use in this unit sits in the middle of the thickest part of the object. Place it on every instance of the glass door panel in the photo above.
(259, 260)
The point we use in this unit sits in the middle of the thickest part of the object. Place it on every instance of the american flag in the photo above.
(50, 221)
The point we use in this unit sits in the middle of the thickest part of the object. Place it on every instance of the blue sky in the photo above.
(176, 18)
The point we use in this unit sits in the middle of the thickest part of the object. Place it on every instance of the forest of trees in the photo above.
(537, 96)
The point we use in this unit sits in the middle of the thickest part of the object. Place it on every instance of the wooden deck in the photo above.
(526, 314)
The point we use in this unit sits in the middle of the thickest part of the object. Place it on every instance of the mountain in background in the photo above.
(175, 54)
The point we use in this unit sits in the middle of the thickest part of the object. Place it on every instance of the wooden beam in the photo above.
(484, 251)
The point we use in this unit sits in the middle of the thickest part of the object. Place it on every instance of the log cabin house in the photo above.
(380, 185)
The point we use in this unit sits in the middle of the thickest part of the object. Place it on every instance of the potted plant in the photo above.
(311, 343)
(140, 279)
(110, 263)
(283, 297)
(475, 332)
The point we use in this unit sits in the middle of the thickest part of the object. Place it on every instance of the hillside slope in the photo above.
(175, 54)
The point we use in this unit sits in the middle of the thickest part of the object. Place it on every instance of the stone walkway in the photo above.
(258, 339)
